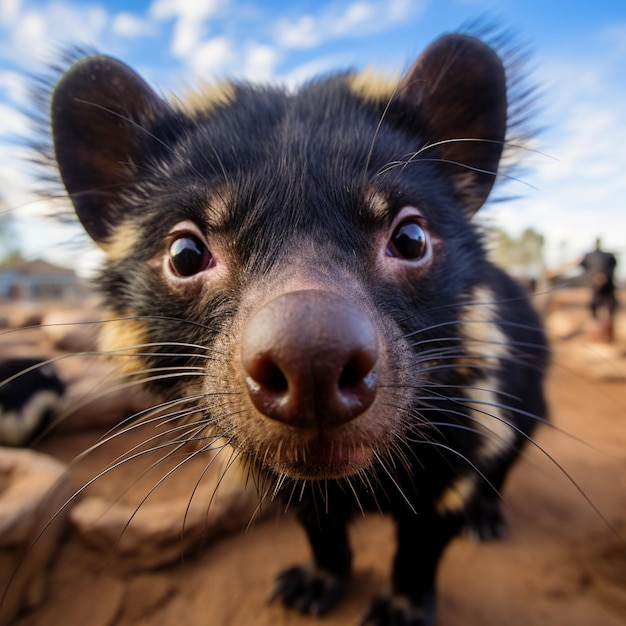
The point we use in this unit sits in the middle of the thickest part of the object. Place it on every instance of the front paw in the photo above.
(308, 589)
(487, 522)
(398, 611)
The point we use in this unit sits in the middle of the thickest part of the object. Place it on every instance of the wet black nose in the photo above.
(310, 358)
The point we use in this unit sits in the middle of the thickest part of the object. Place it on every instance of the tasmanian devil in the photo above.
(302, 270)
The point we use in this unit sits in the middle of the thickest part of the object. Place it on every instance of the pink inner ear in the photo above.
(459, 86)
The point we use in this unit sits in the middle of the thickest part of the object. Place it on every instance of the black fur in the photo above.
(300, 188)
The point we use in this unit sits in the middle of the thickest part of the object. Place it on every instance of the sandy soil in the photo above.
(564, 563)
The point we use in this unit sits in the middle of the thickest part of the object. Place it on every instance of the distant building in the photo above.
(37, 280)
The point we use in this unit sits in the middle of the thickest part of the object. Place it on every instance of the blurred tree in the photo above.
(530, 248)
(9, 245)
(522, 256)
(501, 248)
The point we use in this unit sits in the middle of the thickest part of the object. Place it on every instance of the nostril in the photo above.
(266, 373)
(348, 378)
(276, 381)
(357, 370)
(268, 386)
(356, 388)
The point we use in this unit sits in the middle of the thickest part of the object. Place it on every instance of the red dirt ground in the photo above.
(564, 563)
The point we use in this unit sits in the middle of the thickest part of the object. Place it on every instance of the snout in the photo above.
(310, 359)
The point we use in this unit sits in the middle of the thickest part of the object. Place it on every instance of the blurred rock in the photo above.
(594, 361)
(91, 599)
(599, 330)
(151, 535)
(146, 593)
(33, 489)
(96, 395)
(21, 314)
(561, 324)
(73, 330)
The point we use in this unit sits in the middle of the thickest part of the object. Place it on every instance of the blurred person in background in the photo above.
(599, 267)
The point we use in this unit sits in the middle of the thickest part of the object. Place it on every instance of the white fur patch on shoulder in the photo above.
(486, 346)
(484, 340)
(16, 427)
(490, 418)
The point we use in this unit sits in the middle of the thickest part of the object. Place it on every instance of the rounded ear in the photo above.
(459, 86)
(100, 110)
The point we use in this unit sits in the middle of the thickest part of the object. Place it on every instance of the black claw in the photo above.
(393, 611)
(487, 523)
(308, 589)
(373, 613)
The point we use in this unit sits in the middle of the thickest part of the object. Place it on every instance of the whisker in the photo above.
(98, 353)
(220, 449)
(551, 458)
(62, 509)
(394, 481)
(92, 397)
(158, 419)
(169, 473)
(109, 320)
(377, 131)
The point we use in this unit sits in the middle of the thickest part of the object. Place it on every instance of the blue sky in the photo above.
(573, 191)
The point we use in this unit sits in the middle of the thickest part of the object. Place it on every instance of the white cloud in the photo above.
(315, 67)
(128, 25)
(581, 190)
(9, 11)
(12, 122)
(14, 87)
(209, 57)
(76, 23)
(187, 37)
(189, 27)
(358, 19)
(356, 16)
(29, 36)
(194, 42)
(260, 62)
(303, 33)
(615, 36)
(30, 30)
(184, 9)
(398, 10)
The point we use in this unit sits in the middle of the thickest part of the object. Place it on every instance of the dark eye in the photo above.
(188, 256)
(408, 241)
